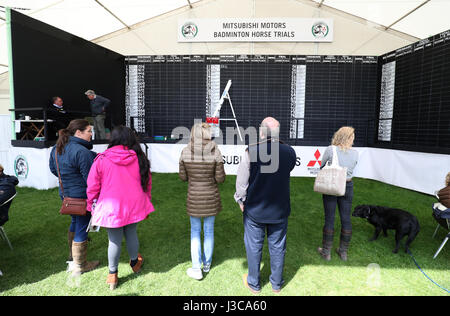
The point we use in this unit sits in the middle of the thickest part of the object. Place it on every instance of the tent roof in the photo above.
(91, 19)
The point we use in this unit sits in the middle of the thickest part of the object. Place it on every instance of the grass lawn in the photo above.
(38, 233)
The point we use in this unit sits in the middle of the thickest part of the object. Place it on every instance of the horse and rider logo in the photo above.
(320, 30)
(21, 167)
(189, 30)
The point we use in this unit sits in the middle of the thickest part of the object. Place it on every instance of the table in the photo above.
(32, 128)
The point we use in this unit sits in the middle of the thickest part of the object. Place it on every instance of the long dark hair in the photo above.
(122, 135)
(70, 130)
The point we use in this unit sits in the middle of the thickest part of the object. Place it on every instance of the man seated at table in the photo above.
(61, 118)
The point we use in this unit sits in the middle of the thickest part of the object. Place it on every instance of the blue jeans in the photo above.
(79, 225)
(199, 257)
(254, 235)
(344, 204)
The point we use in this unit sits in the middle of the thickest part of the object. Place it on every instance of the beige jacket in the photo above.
(202, 166)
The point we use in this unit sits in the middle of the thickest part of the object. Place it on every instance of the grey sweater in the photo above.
(348, 159)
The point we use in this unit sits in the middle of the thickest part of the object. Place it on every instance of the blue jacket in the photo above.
(74, 165)
(268, 194)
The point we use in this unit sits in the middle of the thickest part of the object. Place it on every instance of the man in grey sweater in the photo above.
(99, 105)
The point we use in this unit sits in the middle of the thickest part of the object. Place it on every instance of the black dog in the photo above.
(384, 218)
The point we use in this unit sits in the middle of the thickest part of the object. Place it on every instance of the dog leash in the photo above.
(410, 253)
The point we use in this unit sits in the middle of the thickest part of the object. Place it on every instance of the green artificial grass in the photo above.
(38, 233)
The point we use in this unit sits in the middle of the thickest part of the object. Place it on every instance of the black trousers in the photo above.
(254, 235)
(344, 204)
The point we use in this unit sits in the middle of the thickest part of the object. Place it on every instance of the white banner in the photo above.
(256, 30)
(30, 166)
(400, 168)
(420, 172)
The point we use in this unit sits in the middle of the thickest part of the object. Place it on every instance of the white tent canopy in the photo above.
(91, 19)
(419, 18)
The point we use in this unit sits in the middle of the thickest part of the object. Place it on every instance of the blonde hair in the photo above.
(344, 137)
(200, 131)
(447, 179)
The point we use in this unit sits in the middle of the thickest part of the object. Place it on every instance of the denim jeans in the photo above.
(79, 225)
(199, 257)
(254, 235)
(344, 204)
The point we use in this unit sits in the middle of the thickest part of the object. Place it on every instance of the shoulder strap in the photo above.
(335, 161)
(59, 175)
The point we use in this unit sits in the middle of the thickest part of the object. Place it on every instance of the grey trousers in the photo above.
(99, 126)
(115, 236)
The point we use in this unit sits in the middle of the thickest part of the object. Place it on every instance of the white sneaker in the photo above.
(195, 273)
(206, 268)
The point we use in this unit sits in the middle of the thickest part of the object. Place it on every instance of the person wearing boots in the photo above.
(348, 157)
(75, 159)
(263, 194)
(120, 185)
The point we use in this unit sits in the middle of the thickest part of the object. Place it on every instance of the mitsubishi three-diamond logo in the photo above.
(312, 163)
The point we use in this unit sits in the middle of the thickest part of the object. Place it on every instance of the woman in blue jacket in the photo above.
(74, 160)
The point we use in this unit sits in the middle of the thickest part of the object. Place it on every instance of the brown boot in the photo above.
(112, 280)
(327, 244)
(137, 267)
(346, 235)
(79, 252)
(70, 237)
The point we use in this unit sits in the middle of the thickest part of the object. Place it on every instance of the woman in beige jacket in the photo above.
(201, 164)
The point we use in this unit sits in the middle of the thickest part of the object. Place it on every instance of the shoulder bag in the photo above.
(70, 206)
(331, 179)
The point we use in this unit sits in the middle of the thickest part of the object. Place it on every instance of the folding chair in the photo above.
(442, 215)
(6, 204)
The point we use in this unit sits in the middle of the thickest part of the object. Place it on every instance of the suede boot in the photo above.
(70, 237)
(79, 252)
(112, 280)
(346, 236)
(327, 244)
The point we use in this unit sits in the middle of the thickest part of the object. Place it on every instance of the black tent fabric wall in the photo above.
(49, 62)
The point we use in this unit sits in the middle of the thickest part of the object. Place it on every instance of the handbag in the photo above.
(70, 206)
(331, 179)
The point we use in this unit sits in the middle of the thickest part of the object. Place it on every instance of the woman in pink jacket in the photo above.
(119, 196)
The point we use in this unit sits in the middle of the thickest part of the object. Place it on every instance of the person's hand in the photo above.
(242, 207)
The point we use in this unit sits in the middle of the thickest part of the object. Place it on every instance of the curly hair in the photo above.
(344, 137)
